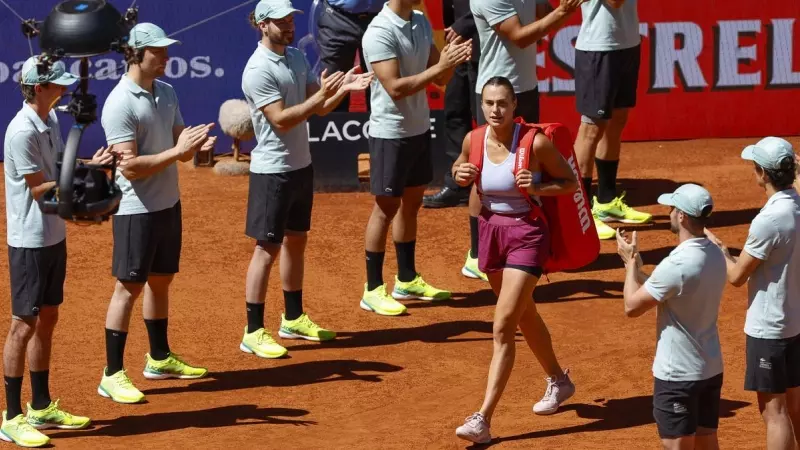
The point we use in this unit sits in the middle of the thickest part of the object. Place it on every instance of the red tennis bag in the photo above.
(574, 242)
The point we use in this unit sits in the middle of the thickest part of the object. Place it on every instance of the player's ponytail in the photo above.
(782, 178)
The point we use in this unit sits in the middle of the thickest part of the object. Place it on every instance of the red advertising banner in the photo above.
(710, 69)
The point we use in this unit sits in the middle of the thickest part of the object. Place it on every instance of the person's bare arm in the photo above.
(433, 59)
(38, 185)
(739, 269)
(637, 299)
(553, 163)
(284, 119)
(135, 166)
(388, 71)
(523, 36)
(463, 171)
(351, 82)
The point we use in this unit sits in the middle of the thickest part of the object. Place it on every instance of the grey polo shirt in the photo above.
(30, 146)
(132, 114)
(688, 285)
(605, 28)
(267, 78)
(388, 36)
(500, 57)
(774, 288)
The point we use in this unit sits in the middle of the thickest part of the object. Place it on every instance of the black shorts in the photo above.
(37, 278)
(605, 81)
(773, 365)
(146, 244)
(527, 107)
(277, 202)
(680, 407)
(396, 164)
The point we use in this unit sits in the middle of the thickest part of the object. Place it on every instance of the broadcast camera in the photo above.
(81, 29)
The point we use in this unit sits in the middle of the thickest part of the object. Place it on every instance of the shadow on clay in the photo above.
(301, 374)
(611, 414)
(434, 333)
(225, 416)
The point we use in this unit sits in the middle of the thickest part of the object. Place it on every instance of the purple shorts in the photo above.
(515, 241)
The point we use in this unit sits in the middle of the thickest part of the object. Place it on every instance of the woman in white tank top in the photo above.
(514, 245)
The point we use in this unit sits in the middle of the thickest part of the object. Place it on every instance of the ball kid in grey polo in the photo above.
(688, 284)
(32, 145)
(774, 287)
(390, 36)
(133, 114)
(267, 78)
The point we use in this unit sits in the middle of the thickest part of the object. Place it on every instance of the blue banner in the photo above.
(205, 70)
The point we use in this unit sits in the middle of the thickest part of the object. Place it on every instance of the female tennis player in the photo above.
(514, 244)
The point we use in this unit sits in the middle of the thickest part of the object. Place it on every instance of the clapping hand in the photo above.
(329, 85)
(628, 249)
(356, 81)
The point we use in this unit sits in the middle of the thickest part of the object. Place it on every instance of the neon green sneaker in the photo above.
(261, 344)
(303, 328)
(417, 289)
(118, 387)
(604, 231)
(378, 301)
(618, 211)
(20, 432)
(471, 270)
(55, 417)
(172, 367)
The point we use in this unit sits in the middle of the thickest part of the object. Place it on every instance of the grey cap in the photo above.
(57, 74)
(149, 35)
(769, 152)
(274, 9)
(689, 198)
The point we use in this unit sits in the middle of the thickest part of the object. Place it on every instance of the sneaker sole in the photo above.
(366, 307)
(165, 376)
(399, 296)
(47, 426)
(287, 335)
(8, 438)
(105, 394)
(609, 219)
(469, 438)
(246, 349)
(470, 274)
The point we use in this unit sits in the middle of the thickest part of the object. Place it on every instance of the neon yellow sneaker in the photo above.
(604, 231)
(417, 289)
(261, 344)
(172, 367)
(378, 301)
(303, 328)
(618, 211)
(20, 432)
(471, 270)
(120, 388)
(55, 417)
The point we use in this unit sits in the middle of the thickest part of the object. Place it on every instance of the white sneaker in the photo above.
(558, 391)
(475, 429)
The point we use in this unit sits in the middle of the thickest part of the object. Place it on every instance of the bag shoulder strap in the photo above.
(522, 159)
(477, 139)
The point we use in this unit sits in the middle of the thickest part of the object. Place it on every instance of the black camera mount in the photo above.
(81, 29)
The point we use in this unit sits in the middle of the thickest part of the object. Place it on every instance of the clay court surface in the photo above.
(392, 382)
